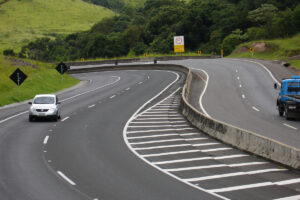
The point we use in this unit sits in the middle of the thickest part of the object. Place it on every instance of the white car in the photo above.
(45, 106)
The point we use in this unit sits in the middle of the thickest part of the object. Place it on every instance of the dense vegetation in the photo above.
(116, 5)
(208, 25)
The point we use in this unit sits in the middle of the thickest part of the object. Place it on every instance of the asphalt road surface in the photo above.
(109, 144)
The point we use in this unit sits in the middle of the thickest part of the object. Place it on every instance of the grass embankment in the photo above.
(278, 49)
(26, 20)
(41, 78)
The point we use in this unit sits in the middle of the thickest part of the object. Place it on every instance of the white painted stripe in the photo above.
(161, 135)
(204, 144)
(91, 106)
(200, 158)
(64, 119)
(127, 89)
(113, 96)
(238, 78)
(164, 109)
(240, 85)
(169, 140)
(217, 149)
(162, 118)
(241, 187)
(66, 178)
(256, 109)
(11, 117)
(287, 182)
(140, 83)
(159, 130)
(243, 96)
(159, 122)
(169, 105)
(46, 139)
(296, 197)
(233, 174)
(214, 166)
(292, 127)
(162, 147)
(156, 112)
(170, 153)
(160, 126)
(163, 115)
(188, 134)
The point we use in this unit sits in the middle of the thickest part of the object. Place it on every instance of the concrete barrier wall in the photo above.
(241, 139)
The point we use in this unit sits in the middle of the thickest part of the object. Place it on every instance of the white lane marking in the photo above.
(214, 166)
(66, 178)
(296, 197)
(256, 109)
(91, 106)
(203, 92)
(140, 83)
(162, 115)
(159, 130)
(292, 127)
(243, 96)
(161, 135)
(64, 119)
(157, 112)
(162, 147)
(241, 187)
(163, 118)
(113, 96)
(236, 71)
(148, 77)
(169, 140)
(240, 85)
(170, 153)
(238, 78)
(159, 122)
(11, 117)
(160, 126)
(205, 144)
(199, 158)
(233, 174)
(216, 149)
(127, 89)
(46, 139)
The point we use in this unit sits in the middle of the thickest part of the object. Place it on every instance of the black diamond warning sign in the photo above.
(61, 68)
(18, 77)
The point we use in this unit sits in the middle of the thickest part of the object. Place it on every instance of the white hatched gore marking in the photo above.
(159, 122)
(169, 140)
(66, 178)
(296, 197)
(243, 96)
(160, 126)
(256, 109)
(46, 139)
(170, 153)
(292, 127)
(161, 118)
(233, 174)
(287, 182)
(217, 149)
(113, 96)
(163, 147)
(127, 89)
(160, 130)
(205, 144)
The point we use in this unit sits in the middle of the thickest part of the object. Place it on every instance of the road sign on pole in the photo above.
(252, 51)
(61, 68)
(18, 77)
(178, 44)
(222, 53)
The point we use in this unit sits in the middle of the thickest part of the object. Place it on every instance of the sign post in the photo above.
(178, 44)
(222, 53)
(252, 51)
(61, 68)
(18, 77)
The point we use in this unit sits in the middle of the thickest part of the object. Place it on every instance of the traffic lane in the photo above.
(90, 150)
(252, 106)
(23, 172)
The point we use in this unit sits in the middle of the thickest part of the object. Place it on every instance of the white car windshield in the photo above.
(44, 100)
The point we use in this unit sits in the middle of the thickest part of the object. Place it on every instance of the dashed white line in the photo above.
(238, 78)
(66, 178)
(240, 85)
(243, 96)
(64, 119)
(127, 89)
(140, 83)
(46, 139)
(113, 96)
(292, 127)
(91, 106)
(256, 109)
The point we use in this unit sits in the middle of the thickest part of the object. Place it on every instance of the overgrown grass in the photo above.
(41, 78)
(23, 21)
(278, 49)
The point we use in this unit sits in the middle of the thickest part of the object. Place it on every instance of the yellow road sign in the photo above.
(179, 48)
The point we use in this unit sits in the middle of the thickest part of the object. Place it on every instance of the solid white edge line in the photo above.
(203, 92)
(46, 139)
(146, 161)
(91, 106)
(256, 109)
(118, 79)
(296, 197)
(66, 178)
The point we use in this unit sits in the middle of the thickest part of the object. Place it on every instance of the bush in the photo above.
(256, 33)
(232, 40)
(139, 49)
(9, 52)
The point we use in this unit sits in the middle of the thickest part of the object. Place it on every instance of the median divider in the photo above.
(234, 136)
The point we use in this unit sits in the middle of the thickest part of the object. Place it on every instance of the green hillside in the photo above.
(23, 21)
(287, 49)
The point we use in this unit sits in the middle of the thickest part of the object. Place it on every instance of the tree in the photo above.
(232, 40)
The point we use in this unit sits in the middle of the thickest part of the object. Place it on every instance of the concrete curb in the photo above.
(239, 138)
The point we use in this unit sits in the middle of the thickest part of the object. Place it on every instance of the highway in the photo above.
(110, 144)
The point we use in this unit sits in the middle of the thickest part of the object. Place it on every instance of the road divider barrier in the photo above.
(233, 136)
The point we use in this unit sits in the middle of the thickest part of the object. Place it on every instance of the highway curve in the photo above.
(83, 156)
(241, 93)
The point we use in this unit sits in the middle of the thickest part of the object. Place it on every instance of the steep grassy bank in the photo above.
(23, 21)
(287, 49)
(42, 78)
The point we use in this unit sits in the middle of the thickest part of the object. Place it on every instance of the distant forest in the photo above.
(207, 25)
